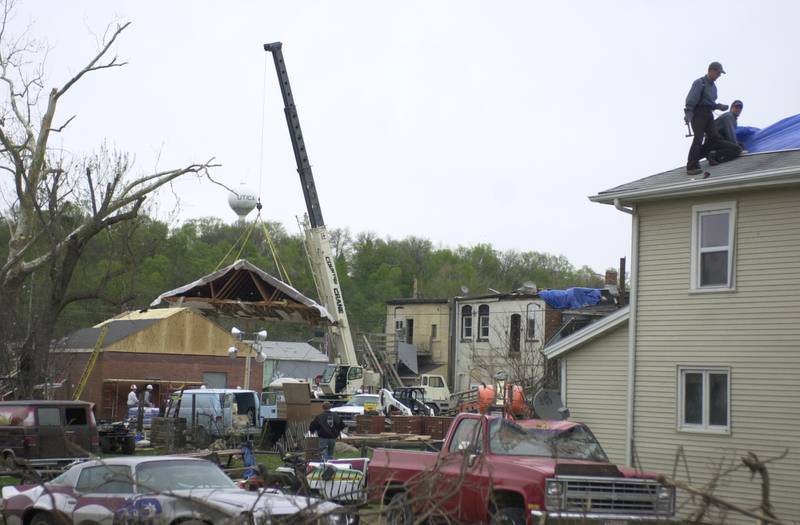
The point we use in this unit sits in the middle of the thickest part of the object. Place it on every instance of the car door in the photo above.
(103, 492)
(462, 466)
(52, 441)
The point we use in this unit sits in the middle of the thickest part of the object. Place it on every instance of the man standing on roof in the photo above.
(699, 112)
(727, 122)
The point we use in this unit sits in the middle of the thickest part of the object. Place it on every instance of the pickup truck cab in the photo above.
(496, 470)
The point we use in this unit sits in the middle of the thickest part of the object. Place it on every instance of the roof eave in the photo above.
(591, 332)
(759, 179)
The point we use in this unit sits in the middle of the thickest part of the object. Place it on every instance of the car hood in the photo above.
(237, 500)
(547, 466)
(348, 410)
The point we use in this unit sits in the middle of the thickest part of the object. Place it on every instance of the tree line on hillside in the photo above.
(134, 262)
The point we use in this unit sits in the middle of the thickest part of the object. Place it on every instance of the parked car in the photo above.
(358, 405)
(47, 432)
(516, 472)
(158, 490)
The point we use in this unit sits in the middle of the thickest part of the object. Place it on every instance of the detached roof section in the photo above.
(777, 168)
(291, 351)
(242, 290)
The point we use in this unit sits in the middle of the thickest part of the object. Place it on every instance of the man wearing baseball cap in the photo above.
(699, 112)
(727, 122)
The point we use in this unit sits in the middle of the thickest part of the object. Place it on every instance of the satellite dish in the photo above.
(242, 200)
(547, 405)
(232, 351)
(464, 290)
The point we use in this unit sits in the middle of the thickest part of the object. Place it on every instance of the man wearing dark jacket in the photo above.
(328, 426)
(699, 112)
(727, 123)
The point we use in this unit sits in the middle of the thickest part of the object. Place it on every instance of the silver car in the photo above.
(157, 490)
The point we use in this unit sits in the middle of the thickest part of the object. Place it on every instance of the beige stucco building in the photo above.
(705, 364)
(424, 323)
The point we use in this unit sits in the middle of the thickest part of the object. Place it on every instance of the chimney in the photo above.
(611, 278)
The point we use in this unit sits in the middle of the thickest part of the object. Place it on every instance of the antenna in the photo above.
(547, 405)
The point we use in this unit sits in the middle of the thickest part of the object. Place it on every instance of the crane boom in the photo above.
(317, 238)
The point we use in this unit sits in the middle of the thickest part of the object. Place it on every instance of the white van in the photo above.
(216, 409)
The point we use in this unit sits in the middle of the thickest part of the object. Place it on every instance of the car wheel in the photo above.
(508, 516)
(399, 511)
(43, 518)
(9, 460)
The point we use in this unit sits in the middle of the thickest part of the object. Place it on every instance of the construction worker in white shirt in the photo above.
(133, 399)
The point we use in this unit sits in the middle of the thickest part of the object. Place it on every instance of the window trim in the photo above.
(481, 318)
(704, 427)
(694, 273)
(469, 316)
(531, 315)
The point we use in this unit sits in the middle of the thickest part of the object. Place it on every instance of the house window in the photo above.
(434, 331)
(712, 246)
(514, 334)
(704, 399)
(483, 322)
(466, 322)
(530, 321)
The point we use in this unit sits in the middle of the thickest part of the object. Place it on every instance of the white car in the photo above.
(156, 490)
(358, 405)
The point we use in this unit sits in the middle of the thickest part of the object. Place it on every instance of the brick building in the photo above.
(165, 347)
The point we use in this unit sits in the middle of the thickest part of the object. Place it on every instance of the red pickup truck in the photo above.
(501, 471)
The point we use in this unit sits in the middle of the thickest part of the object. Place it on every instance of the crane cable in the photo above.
(241, 242)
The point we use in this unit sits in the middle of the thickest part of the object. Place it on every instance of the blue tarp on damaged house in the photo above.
(571, 297)
(784, 134)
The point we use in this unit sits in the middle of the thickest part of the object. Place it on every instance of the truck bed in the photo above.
(392, 466)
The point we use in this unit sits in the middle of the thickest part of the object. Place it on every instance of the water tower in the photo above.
(242, 200)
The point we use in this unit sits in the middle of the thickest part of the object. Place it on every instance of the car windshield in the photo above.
(360, 401)
(506, 438)
(165, 476)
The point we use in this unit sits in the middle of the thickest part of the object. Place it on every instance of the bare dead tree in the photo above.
(710, 507)
(55, 206)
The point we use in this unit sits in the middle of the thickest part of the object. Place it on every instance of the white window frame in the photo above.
(464, 336)
(531, 319)
(704, 427)
(483, 322)
(710, 209)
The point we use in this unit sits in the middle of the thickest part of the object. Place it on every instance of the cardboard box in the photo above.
(298, 412)
(297, 393)
(316, 408)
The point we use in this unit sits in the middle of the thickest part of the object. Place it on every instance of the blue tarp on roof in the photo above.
(784, 134)
(571, 297)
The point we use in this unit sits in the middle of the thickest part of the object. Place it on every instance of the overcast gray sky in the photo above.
(462, 122)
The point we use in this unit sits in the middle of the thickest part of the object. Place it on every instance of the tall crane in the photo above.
(345, 376)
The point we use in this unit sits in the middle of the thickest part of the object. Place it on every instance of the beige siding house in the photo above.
(711, 355)
(593, 382)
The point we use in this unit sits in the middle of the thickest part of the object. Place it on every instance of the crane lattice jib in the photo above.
(298, 144)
